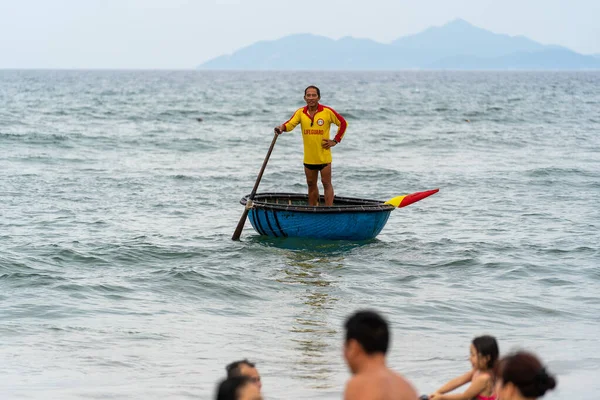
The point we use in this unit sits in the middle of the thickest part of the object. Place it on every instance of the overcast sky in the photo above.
(181, 34)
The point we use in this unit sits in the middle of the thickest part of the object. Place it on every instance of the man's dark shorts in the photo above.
(315, 167)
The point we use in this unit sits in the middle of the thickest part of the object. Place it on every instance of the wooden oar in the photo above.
(240, 225)
(403, 201)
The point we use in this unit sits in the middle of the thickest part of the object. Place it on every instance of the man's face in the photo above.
(311, 97)
(252, 373)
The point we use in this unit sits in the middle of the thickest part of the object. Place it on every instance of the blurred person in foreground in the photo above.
(238, 388)
(244, 368)
(521, 376)
(365, 348)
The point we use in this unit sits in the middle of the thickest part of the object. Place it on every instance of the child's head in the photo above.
(484, 352)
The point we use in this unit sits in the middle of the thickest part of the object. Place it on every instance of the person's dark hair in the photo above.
(235, 368)
(313, 87)
(487, 346)
(228, 388)
(370, 330)
(527, 373)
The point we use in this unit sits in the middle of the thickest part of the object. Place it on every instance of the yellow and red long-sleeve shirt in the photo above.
(315, 129)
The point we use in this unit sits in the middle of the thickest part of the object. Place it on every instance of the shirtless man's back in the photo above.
(367, 339)
(381, 385)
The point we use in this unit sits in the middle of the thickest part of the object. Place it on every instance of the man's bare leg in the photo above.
(312, 177)
(327, 186)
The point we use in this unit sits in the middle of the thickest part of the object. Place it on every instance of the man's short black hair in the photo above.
(370, 330)
(228, 388)
(313, 87)
(235, 368)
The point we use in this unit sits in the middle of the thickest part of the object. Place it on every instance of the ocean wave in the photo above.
(66, 255)
(30, 280)
(110, 291)
(199, 284)
(37, 138)
(380, 113)
(182, 177)
(560, 172)
(178, 113)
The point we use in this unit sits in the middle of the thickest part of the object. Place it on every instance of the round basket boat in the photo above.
(289, 215)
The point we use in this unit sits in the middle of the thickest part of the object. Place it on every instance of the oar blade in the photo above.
(240, 226)
(403, 201)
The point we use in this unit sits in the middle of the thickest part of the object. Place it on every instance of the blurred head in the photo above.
(522, 375)
(244, 368)
(238, 388)
(367, 335)
(484, 352)
(312, 95)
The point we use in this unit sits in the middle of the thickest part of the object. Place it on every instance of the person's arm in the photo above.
(340, 122)
(290, 124)
(476, 387)
(455, 383)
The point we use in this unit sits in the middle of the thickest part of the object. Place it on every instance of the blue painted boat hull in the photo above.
(340, 226)
(288, 215)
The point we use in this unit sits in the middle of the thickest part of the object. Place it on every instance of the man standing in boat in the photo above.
(315, 120)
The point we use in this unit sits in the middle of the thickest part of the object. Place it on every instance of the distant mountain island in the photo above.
(458, 45)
